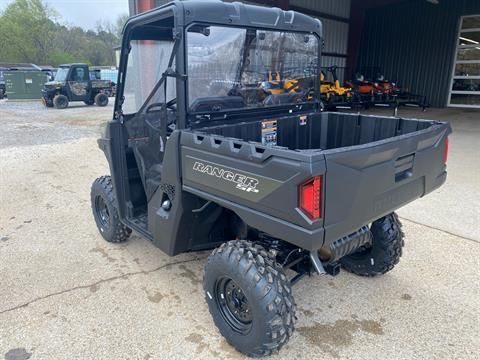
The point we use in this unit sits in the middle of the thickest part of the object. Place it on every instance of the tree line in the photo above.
(33, 32)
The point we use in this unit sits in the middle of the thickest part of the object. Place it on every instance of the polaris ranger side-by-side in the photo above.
(72, 83)
(203, 155)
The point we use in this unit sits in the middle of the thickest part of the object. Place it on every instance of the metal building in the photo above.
(430, 47)
(427, 46)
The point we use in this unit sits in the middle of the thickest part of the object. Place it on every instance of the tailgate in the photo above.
(366, 182)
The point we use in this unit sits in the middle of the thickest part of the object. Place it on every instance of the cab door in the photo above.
(79, 83)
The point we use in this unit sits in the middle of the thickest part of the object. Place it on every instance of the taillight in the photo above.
(445, 155)
(311, 197)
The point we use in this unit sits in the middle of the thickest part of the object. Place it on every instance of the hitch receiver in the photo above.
(333, 269)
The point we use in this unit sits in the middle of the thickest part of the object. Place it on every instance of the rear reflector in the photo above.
(445, 155)
(310, 200)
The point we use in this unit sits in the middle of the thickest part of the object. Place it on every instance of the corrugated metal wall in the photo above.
(335, 32)
(413, 43)
(335, 25)
(339, 8)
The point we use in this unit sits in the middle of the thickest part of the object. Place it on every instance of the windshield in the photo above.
(245, 68)
(61, 74)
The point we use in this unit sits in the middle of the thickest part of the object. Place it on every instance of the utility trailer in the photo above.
(267, 180)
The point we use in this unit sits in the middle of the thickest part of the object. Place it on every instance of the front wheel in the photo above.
(101, 99)
(60, 101)
(383, 254)
(105, 213)
(249, 298)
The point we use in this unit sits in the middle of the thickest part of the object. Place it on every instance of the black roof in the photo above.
(236, 13)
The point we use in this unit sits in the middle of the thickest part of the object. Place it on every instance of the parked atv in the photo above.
(385, 86)
(72, 83)
(201, 157)
(362, 91)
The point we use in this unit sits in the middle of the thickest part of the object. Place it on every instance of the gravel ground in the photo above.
(30, 123)
(67, 294)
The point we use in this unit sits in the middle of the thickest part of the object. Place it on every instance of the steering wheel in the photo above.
(172, 105)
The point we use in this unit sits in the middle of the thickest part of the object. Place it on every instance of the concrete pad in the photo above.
(67, 294)
(454, 207)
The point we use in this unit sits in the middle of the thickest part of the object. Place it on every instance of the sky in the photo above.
(84, 13)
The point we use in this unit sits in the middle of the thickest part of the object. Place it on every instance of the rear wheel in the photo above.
(60, 101)
(101, 99)
(384, 252)
(249, 298)
(104, 207)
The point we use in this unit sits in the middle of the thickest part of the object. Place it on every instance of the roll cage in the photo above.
(171, 21)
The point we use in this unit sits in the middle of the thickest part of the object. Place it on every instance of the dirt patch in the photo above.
(156, 297)
(330, 337)
(104, 253)
(189, 274)
(18, 354)
(198, 340)
(406, 297)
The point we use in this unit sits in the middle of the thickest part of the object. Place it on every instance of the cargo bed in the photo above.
(370, 166)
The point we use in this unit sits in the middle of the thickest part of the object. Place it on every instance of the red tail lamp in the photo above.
(311, 197)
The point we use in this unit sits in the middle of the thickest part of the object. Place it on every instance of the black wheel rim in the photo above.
(103, 215)
(233, 305)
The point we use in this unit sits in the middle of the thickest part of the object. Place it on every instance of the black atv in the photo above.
(72, 83)
(267, 180)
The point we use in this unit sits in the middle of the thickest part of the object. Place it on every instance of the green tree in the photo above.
(33, 33)
(27, 28)
(118, 26)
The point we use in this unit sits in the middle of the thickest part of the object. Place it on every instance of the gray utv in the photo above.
(206, 151)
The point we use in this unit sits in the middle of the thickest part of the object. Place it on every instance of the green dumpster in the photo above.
(24, 84)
